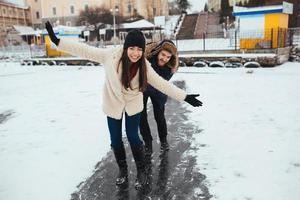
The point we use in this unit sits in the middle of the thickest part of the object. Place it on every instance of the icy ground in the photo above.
(53, 131)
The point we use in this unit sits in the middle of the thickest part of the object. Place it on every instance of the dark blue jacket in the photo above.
(164, 72)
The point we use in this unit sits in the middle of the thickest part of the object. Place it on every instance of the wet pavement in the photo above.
(171, 175)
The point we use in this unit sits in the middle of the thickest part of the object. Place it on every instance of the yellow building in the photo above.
(263, 27)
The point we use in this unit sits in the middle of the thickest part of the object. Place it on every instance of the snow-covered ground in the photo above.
(56, 132)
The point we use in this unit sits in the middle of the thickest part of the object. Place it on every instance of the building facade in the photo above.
(35, 7)
(147, 9)
(66, 12)
(11, 14)
(215, 5)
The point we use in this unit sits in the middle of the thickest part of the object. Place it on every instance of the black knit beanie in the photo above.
(135, 38)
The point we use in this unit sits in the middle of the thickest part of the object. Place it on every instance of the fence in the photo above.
(23, 51)
(235, 40)
(227, 40)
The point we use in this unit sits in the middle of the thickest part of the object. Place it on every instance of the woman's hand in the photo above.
(51, 33)
(191, 99)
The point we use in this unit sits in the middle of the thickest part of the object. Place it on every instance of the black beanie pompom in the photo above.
(135, 38)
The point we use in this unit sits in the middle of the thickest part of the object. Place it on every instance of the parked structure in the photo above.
(215, 5)
(267, 26)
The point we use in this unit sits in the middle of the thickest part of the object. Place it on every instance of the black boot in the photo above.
(120, 156)
(148, 149)
(164, 145)
(139, 157)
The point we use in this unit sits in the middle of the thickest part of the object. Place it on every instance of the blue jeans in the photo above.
(131, 125)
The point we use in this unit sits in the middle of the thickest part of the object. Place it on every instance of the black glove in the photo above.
(51, 33)
(191, 99)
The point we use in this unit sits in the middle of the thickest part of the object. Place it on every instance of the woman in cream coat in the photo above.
(127, 75)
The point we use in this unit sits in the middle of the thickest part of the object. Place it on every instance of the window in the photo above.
(37, 14)
(54, 11)
(68, 23)
(4, 11)
(36, 0)
(86, 7)
(129, 8)
(154, 11)
(72, 9)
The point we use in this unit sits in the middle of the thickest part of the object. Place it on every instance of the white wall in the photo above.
(254, 25)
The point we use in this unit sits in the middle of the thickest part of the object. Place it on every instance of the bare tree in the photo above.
(96, 15)
(183, 5)
(206, 7)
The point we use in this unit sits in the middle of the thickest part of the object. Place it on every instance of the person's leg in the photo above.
(137, 147)
(159, 115)
(132, 130)
(115, 130)
(145, 128)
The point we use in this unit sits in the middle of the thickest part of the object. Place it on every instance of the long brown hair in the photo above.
(125, 78)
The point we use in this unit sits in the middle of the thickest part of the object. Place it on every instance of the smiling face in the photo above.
(163, 58)
(134, 53)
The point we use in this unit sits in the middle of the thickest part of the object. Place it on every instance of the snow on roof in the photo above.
(138, 24)
(66, 30)
(14, 3)
(171, 22)
(26, 30)
(238, 10)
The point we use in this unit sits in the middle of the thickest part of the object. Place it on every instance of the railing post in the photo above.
(235, 40)
(203, 41)
(272, 38)
(289, 36)
(278, 34)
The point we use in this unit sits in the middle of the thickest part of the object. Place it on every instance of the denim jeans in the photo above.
(131, 126)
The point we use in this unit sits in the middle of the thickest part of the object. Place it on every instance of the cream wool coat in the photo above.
(116, 99)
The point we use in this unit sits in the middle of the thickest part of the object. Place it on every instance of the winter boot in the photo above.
(148, 155)
(164, 145)
(139, 157)
(148, 148)
(120, 156)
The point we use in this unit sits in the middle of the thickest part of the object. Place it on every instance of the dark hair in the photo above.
(125, 77)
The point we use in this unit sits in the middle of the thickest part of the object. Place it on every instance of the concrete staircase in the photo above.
(188, 27)
(208, 24)
(201, 25)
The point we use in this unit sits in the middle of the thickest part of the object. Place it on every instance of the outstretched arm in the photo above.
(169, 89)
(77, 48)
(51, 33)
